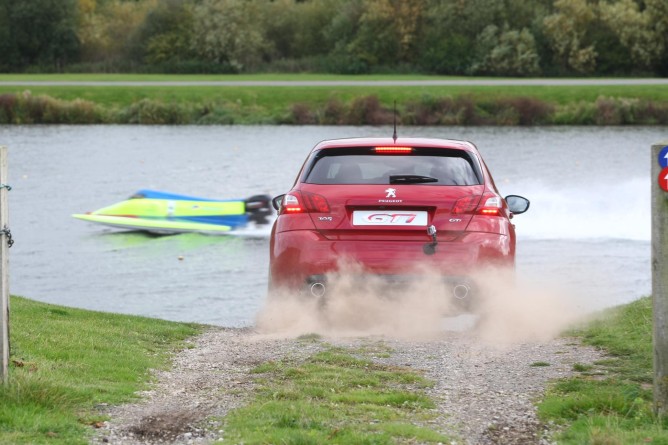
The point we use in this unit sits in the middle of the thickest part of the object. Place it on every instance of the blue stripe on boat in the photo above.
(224, 220)
(154, 194)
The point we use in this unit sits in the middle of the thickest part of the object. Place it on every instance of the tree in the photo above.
(657, 10)
(566, 31)
(7, 46)
(340, 33)
(165, 38)
(507, 52)
(451, 28)
(388, 31)
(296, 29)
(635, 30)
(226, 32)
(40, 32)
(108, 28)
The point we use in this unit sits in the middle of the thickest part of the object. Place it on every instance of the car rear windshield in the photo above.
(452, 167)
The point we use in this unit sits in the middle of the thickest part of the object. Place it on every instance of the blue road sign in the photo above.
(663, 157)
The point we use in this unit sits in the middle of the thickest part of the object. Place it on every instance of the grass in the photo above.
(65, 362)
(69, 77)
(334, 397)
(280, 98)
(572, 104)
(610, 403)
(539, 364)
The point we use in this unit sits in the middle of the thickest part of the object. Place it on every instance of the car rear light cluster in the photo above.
(304, 202)
(489, 204)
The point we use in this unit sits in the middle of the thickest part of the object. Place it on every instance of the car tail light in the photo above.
(393, 150)
(489, 205)
(466, 204)
(315, 203)
(291, 204)
(304, 202)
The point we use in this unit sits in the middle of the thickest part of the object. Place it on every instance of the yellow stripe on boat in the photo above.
(161, 208)
(158, 226)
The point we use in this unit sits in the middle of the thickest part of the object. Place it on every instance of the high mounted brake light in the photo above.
(393, 150)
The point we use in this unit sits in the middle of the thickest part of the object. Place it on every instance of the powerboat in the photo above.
(168, 213)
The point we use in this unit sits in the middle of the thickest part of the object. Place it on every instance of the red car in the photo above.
(395, 208)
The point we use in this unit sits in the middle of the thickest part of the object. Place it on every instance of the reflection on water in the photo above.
(587, 228)
(153, 242)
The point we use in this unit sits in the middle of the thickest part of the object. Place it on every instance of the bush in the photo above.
(215, 116)
(7, 104)
(152, 112)
(529, 111)
(78, 111)
(368, 111)
(25, 108)
(651, 113)
(302, 115)
(581, 113)
(462, 110)
(334, 114)
(626, 111)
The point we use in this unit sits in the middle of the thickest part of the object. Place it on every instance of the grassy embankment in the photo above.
(331, 105)
(66, 361)
(610, 403)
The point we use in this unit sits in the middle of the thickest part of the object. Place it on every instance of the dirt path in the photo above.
(484, 392)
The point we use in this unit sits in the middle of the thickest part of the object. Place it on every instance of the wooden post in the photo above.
(660, 275)
(4, 274)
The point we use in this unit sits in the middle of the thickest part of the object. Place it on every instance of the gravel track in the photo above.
(484, 393)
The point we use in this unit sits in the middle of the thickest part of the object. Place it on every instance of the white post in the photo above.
(4, 273)
(660, 275)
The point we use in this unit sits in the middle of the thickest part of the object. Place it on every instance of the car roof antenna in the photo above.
(394, 135)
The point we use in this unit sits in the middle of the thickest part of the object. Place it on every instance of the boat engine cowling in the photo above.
(258, 208)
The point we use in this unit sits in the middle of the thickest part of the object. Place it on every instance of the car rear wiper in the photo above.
(411, 179)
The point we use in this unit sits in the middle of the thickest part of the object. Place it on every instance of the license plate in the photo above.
(393, 218)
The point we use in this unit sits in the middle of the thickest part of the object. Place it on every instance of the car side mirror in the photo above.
(517, 204)
(277, 202)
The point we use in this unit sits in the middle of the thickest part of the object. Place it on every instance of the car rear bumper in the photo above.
(459, 290)
(299, 255)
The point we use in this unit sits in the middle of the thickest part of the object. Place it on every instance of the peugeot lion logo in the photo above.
(391, 193)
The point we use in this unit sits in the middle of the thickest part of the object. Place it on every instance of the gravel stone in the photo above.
(485, 393)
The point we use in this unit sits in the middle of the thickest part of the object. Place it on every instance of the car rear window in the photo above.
(338, 168)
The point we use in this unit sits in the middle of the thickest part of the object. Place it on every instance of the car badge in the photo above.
(391, 193)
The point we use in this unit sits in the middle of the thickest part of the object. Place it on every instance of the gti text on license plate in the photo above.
(389, 218)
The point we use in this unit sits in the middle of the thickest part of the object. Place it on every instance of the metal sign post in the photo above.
(660, 275)
(4, 273)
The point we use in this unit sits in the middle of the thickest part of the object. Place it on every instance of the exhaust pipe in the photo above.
(318, 289)
(461, 291)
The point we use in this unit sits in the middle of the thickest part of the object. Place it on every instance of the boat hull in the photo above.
(168, 213)
(159, 226)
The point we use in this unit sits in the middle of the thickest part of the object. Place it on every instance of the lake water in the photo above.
(588, 227)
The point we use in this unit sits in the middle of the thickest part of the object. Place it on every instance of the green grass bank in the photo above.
(66, 362)
(610, 403)
(323, 105)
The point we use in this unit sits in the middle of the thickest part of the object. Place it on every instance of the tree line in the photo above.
(448, 37)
